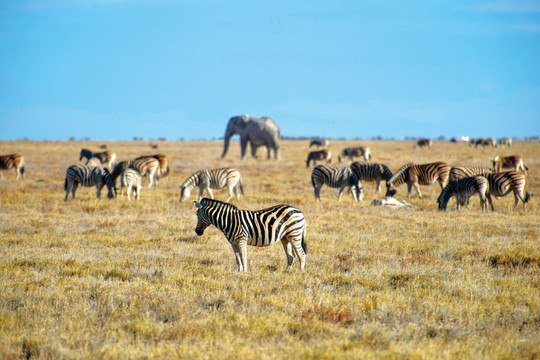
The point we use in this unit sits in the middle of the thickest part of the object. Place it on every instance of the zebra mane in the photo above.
(212, 202)
(399, 173)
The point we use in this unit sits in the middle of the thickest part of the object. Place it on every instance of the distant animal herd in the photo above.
(284, 222)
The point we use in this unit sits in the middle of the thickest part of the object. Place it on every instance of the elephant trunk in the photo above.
(226, 140)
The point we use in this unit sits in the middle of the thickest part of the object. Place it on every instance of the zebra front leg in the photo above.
(242, 245)
(287, 247)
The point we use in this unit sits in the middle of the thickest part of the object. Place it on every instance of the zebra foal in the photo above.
(464, 188)
(209, 179)
(131, 179)
(415, 175)
(256, 228)
(15, 161)
(336, 177)
(88, 176)
(372, 172)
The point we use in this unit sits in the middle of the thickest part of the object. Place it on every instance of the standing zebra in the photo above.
(505, 141)
(509, 162)
(146, 166)
(88, 176)
(209, 179)
(336, 177)
(15, 161)
(323, 154)
(372, 172)
(415, 175)
(99, 158)
(460, 172)
(502, 183)
(464, 188)
(355, 152)
(256, 228)
(131, 179)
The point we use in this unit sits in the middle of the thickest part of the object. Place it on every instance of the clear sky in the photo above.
(118, 69)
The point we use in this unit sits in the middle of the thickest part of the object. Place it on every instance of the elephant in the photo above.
(257, 131)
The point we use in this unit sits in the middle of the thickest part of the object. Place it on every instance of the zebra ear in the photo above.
(197, 205)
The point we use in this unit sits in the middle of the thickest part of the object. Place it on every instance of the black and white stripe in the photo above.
(464, 188)
(85, 175)
(415, 175)
(372, 172)
(209, 179)
(353, 152)
(503, 183)
(15, 161)
(131, 179)
(255, 228)
(460, 172)
(336, 177)
(146, 166)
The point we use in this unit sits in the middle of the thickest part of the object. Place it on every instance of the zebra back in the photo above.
(145, 165)
(425, 173)
(460, 172)
(371, 172)
(334, 176)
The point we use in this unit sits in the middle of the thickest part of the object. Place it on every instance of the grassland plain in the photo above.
(113, 279)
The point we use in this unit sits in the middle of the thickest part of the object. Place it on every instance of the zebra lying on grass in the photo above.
(209, 179)
(15, 161)
(88, 176)
(464, 188)
(131, 179)
(336, 177)
(255, 228)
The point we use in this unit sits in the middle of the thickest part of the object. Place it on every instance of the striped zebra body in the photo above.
(107, 158)
(372, 172)
(256, 228)
(163, 169)
(336, 177)
(15, 161)
(415, 175)
(131, 179)
(460, 172)
(351, 153)
(85, 175)
(209, 179)
(502, 183)
(323, 154)
(464, 188)
(509, 162)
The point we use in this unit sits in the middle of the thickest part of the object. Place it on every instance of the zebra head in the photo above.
(444, 197)
(203, 220)
(185, 193)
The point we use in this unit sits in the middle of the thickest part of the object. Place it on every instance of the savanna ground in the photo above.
(114, 279)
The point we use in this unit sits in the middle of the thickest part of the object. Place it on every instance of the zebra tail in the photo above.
(304, 244)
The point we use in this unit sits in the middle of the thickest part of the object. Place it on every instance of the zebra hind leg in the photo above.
(287, 246)
(237, 257)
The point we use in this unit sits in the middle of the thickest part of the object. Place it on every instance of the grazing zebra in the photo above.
(256, 228)
(15, 161)
(415, 175)
(355, 152)
(88, 176)
(163, 160)
(98, 159)
(502, 183)
(336, 177)
(319, 143)
(131, 179)
(460, 172)
(323, 154)
(372, 172)
(484, 142)
(424, 143)
(147, 166)
(209, 179)
(505, 141)
(464, 188)
(509, 162)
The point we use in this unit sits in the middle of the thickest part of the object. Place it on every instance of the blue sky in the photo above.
(118, 69)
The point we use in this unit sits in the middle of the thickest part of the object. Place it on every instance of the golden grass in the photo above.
(116, 279)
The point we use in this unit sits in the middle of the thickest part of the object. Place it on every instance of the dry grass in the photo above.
(116, 279)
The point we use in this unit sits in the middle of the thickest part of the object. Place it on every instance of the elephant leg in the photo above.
(254, 151)
(243, 146)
